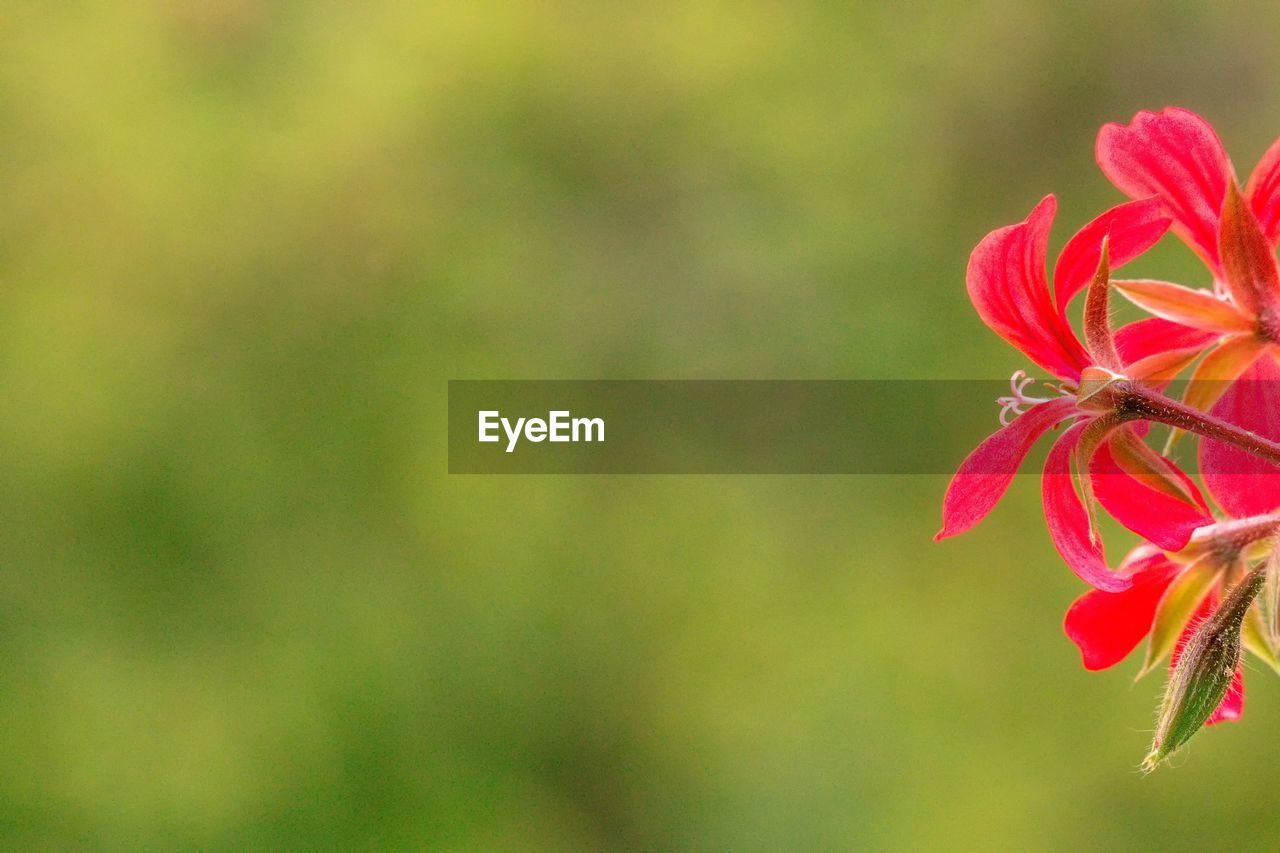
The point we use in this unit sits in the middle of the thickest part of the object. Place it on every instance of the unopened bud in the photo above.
(1204, 672)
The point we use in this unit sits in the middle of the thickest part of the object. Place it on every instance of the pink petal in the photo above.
(1176, 155)
(1241, 483)
(1106, 626)
(1263, 192)
(1007, 284)
(1160, 518)
(1132, 228)
(985, 475)
(1069, 524)
(1153, 335)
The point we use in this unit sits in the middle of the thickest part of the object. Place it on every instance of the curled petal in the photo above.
(985, 475)
(1006, 282)
(1130, 228)
(1176, 155)
(1069, 523)
(1147, 493)
(1106, 626)
(1263, 192)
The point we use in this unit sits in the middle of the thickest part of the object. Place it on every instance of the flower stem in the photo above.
(1145, 404)
(1230, 538)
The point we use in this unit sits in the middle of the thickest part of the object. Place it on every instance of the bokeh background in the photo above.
(243, 245)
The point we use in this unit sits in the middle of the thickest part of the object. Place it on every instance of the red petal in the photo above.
(1106, 626)
(1263, 192)
(1006, 282)
(1160, 518)
(1133, 227)
(1154, 335)
(1069, 523)
(1176, 155)
(1241, 483)
(985, 475)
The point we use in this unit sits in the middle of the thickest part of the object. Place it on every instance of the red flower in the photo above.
(1176, 155)
(1168, 597)
(1008, 285)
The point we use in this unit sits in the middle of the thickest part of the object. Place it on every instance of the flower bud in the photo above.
(1204, 672)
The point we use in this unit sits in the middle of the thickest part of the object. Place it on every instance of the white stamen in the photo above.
(1020, 400)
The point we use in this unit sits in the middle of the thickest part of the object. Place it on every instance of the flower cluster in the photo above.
(1202, 584)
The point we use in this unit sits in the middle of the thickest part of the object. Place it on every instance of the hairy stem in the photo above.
(1145, 404)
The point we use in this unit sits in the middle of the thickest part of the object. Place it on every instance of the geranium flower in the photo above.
(1176, 155)
(1193, 589)
(1008, 285)
(1169, 596)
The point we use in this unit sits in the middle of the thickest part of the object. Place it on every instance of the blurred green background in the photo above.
(243, 245)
